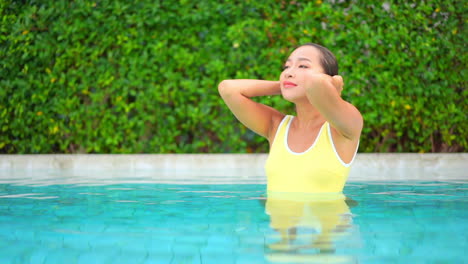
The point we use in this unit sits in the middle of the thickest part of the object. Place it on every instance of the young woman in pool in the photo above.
(312, 151)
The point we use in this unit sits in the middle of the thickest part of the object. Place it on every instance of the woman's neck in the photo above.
(308, 116)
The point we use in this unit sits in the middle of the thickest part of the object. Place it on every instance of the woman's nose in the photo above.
(289, 73)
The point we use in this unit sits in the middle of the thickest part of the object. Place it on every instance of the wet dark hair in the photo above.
(328, 60)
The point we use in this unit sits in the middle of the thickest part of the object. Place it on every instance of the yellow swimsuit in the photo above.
(316, 170)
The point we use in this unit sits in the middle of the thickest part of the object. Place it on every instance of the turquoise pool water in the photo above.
(379, 222)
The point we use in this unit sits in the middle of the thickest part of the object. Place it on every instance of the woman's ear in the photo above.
(337, 81)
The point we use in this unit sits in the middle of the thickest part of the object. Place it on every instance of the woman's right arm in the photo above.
(257, 117)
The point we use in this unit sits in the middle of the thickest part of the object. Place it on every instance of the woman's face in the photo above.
(302, 62)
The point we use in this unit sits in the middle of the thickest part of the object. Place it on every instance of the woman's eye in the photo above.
(303, 66)
(285, 67)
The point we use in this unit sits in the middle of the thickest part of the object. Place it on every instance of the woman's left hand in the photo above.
(337, 81)
(321, 78)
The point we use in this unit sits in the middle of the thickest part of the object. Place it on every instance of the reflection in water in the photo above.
(307, 227)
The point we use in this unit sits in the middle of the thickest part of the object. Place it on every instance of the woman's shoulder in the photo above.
(276, 120)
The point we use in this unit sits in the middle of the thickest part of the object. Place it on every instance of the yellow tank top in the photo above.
(319, 169)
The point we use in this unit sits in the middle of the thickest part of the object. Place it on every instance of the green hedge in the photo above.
(117, 77)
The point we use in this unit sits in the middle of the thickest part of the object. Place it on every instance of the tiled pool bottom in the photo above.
(381, 222)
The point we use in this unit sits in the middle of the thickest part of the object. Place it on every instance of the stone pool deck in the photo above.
(248, 167)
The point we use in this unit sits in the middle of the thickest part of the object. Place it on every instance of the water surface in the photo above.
(133, 222)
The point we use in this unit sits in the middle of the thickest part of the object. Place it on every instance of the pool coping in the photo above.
(228, 167)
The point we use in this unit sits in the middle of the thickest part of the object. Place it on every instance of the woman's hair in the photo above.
(328, 60)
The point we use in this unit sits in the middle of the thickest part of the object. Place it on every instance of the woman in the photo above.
(311, 152)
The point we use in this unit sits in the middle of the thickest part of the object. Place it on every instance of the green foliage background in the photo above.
(112, 76)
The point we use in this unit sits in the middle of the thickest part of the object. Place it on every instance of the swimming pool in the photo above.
(137, 220)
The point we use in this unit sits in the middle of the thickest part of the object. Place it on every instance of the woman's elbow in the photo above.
(223, 87)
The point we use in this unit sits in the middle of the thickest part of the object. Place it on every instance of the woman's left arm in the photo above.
(324, 93)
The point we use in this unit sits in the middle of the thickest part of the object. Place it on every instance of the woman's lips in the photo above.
(289, 84)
